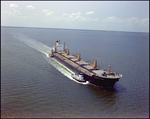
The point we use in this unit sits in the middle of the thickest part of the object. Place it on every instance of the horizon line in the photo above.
(73, 29)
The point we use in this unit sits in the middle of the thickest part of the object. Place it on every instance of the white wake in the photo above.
(47, 50)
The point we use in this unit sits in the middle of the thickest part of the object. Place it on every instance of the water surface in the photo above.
(32, 85)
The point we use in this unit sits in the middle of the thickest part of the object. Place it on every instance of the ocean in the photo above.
(33, 85)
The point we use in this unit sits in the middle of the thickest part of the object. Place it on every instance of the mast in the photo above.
(64, 47)
(95, 64)
(109, 68)
(79, 57)
(52, 49)
(68, 52)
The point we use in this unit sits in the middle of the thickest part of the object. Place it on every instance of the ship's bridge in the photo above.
(58, 47)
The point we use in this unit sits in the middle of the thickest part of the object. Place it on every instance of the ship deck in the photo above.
(84, 66)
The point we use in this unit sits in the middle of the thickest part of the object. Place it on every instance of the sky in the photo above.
(131, 16)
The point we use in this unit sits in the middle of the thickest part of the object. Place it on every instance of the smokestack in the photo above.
(59, 42)
(64, 47)
(109, 68)
(95, 64)
(68, 52)
(79, 57)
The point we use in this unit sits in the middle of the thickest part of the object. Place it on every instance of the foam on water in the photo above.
(63, 69)
(34, 44)
(47, 50)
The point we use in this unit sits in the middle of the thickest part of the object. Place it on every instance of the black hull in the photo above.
(98, 81)
(102, 82)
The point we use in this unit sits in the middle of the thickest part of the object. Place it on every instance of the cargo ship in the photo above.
(90, 72)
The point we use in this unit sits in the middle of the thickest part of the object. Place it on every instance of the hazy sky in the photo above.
(92, 15)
